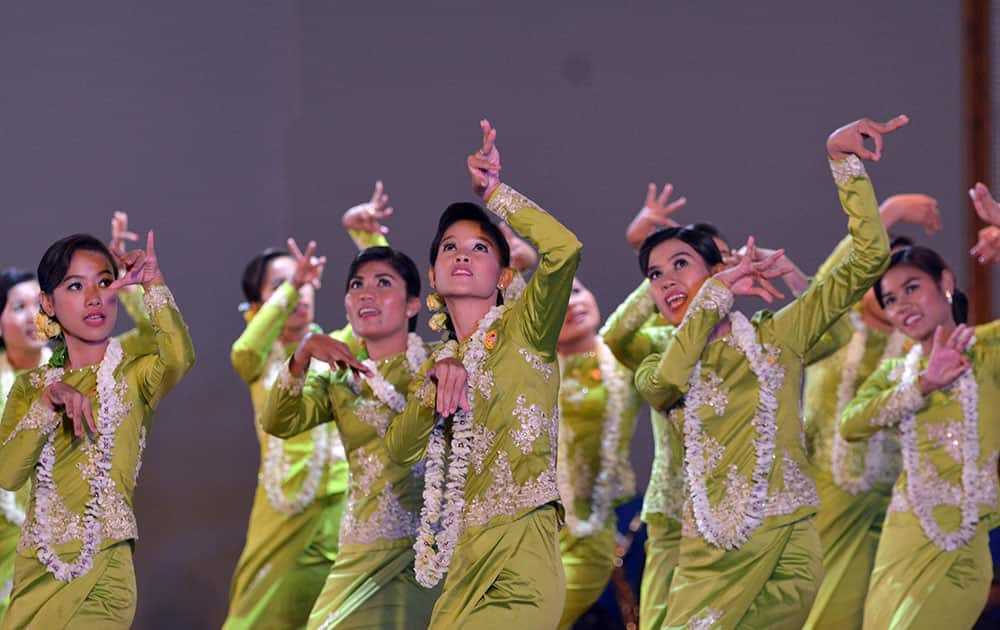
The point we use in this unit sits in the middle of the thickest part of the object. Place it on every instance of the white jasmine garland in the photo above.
(875, 454)
(750, 515)
(12, 513)
(416, 355)
(111, 412)
(276, 469)
(920, 497)
(600, 504)
(444, 494)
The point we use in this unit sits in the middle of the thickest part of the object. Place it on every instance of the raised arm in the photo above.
(624, 329)
(801, 323)
(363, 222)
(543, 303)
(159, 371)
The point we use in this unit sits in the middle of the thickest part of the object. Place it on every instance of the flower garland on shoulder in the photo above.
(111, 413)
(770, 377)
(444, 492)
(601, 499)
(416, 355)
(967, 390)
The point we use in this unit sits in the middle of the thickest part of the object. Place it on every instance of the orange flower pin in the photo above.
(491, 340)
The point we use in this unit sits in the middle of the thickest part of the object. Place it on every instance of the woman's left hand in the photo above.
(986, 206)
(140, 267)
(752, 277)
(484, 164)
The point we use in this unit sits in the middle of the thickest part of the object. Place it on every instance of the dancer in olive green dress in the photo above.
(372, 582)
(750, 553)
(74, 565)
(854, 480)
(493, 460)
(933, 567)
(301, 491)
(598, 409)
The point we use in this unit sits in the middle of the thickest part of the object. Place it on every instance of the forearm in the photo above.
(407, 437)
(622, 330)
(250, 351)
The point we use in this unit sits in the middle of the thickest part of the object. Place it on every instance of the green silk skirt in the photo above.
(663, 541)
(103, 599)
(587, 563)
(849, 529)
(768, 583)
(374, 589)
(918, 585)
(507, 577)
(284, 564)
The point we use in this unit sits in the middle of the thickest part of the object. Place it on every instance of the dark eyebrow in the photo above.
(679, 254)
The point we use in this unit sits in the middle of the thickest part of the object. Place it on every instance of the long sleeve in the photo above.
(295, 405)
(159, 372)
(544, 300)
(364, 239)
(623, 329)
(835, 338)
(407, 437)
(880, 402)
(803, 322)
(663, 378)
(27, 422)
(142, 338)
(250, 351)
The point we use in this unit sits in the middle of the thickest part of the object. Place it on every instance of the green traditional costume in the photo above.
(371, 584)
(854, 480)
(634, 331)
(74, 564)
(500, 518)
(750, 555)
(598, 408)
(933, 567)
(292, 536)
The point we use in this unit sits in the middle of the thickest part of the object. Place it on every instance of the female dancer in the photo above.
(20, 350)
(598, 408)
(75, 552)
(292, 535)
(751, 554)
(371, 584)
(496, 534)
(933, 567)
(635, 331)
(854, 481)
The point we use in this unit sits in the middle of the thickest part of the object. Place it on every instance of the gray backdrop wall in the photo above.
(228, 126)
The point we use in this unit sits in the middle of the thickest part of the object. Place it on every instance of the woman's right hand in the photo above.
(308, 268)
(915, 209)
(452, 386)
(654, 214)
(850, 139)
(947, 360)
(328, 350)
(77, 406)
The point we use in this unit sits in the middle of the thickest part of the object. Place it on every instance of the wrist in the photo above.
(889, 216)
(925, 385)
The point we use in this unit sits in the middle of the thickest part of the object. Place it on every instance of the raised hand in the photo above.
(76, 406)
(139, 267)
(915, 209)
(986, 206)
(987, 248)
(850, 139)
(120, 234)
(947, 360)
(793, 277)
(452, 386)
(367, 217)
(749, 277)
(327, 349)
(522, 255)
(308, 267)
(654, 214)
(484, 164)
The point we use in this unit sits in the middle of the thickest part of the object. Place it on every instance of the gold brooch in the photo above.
(491, 340)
